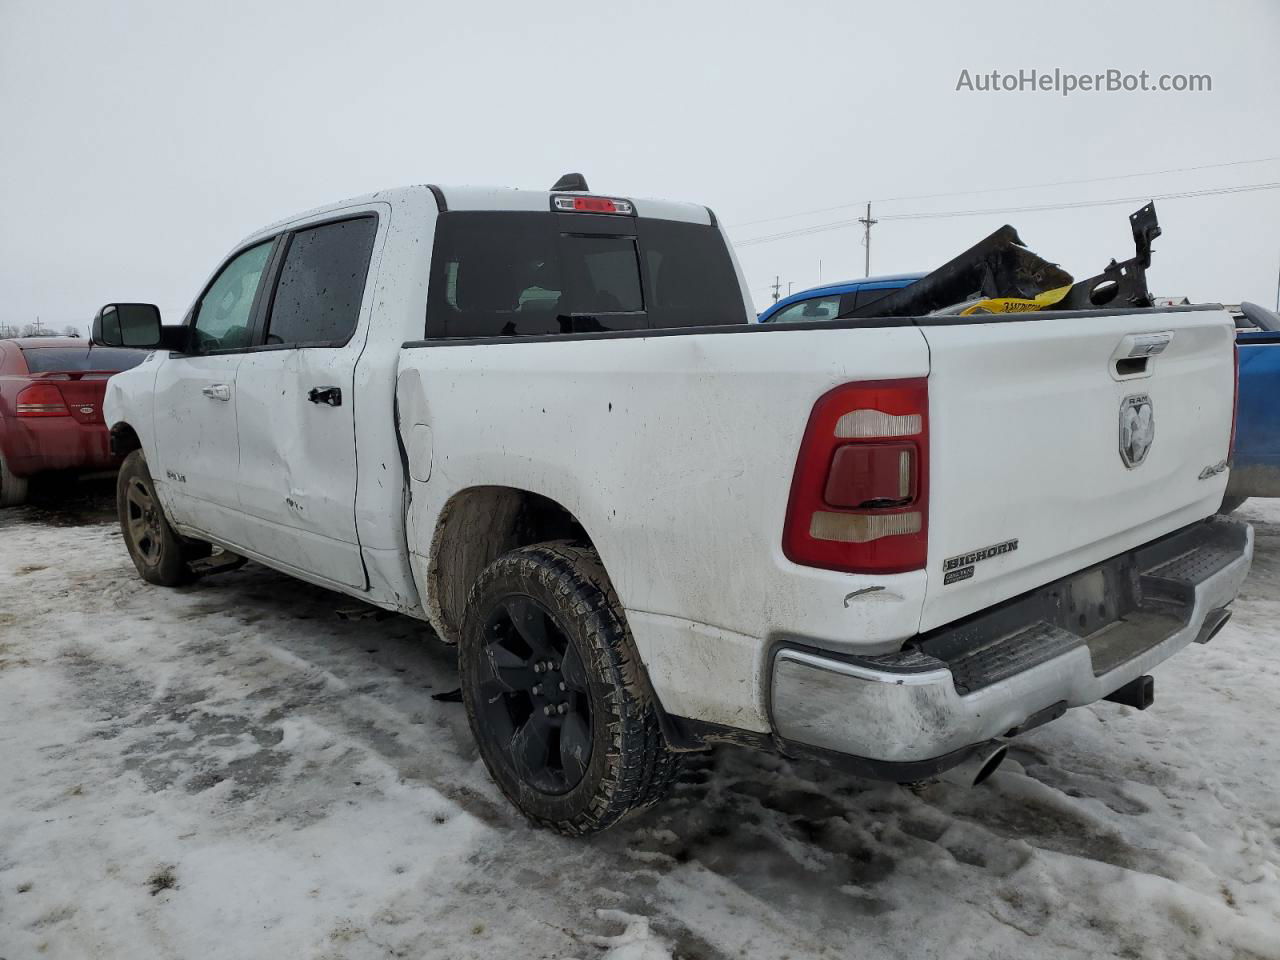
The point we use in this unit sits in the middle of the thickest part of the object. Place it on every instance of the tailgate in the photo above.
(1028, 419)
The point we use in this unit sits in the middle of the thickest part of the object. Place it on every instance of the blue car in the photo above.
(1255, 466)
(830, 301)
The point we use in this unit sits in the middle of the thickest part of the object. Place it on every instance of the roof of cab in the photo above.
(497, 199)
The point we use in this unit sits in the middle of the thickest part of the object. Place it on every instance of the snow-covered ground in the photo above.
(254, 768)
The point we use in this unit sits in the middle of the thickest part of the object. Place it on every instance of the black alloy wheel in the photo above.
(556, 694)
(536, 701)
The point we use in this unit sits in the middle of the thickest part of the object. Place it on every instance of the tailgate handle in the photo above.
(1131, 366)
(1135, 355)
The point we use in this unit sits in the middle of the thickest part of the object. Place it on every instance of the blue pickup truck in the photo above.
(1255, 464)
(1255, 467)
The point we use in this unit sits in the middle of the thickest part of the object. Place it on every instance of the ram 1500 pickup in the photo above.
(544, 423)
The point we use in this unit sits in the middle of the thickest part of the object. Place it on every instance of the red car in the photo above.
(51, 391)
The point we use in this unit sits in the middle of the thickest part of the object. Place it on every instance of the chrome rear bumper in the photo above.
(1020, 663)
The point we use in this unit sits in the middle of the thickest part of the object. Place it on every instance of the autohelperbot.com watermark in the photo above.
(1066, 82)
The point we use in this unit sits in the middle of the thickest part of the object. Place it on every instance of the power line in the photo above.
(993, 211)
(1024, 186)
(1179, 195)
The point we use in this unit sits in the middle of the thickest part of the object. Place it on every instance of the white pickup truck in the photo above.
(543, 423)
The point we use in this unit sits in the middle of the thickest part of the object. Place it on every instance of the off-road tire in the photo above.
(13, 490)
(160, 555)
(630, 765)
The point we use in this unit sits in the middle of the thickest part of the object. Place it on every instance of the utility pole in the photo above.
(789, 283)
(39, 326)
(777, 282)
(867, 224)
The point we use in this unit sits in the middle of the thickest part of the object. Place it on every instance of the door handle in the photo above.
(330, 395)
(217, 391)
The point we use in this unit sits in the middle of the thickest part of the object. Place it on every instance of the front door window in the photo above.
(225, 313)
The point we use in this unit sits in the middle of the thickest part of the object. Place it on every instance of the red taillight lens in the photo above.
(859, 497)
(41, 400)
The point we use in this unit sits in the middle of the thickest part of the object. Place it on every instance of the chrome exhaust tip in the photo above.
(978, 766)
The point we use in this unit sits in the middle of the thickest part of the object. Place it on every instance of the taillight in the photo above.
(42, 400)
(859, 496)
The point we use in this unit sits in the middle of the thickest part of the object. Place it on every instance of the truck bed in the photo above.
(676, 450)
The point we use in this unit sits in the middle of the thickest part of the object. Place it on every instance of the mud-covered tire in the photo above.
(160, 555)
(1231, 504)
(13, 490)
(629, 765)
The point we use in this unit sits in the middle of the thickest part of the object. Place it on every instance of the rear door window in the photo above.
(317, 298)
(533, 274)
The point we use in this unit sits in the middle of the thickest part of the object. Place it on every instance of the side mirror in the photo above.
(127, 325)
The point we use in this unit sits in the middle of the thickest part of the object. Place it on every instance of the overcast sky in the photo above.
(140, 141)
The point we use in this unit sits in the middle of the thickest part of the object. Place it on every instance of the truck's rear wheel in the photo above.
(552, 689)
(159, 553)
(13, 490)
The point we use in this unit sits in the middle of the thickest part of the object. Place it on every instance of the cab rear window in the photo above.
(79, 359)
(535, 274)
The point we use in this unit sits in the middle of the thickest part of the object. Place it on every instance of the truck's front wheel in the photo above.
(160, 555)
(553, 693)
